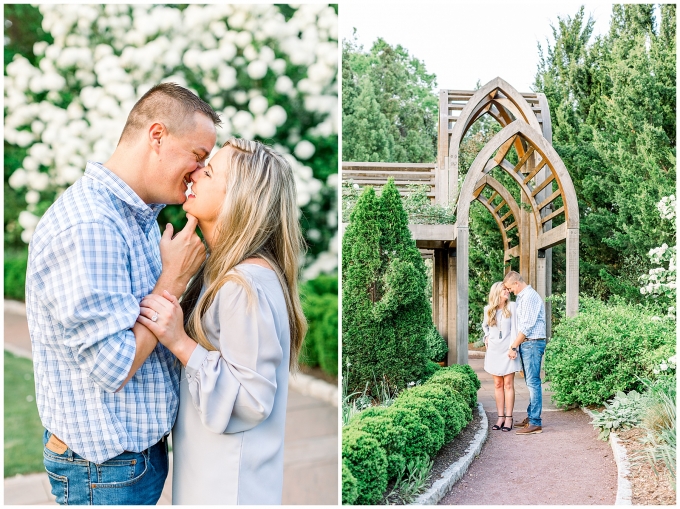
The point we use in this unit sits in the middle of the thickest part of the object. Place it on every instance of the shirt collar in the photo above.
(525, 289)
(143, 213)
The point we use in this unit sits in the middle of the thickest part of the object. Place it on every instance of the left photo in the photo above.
(171, 254)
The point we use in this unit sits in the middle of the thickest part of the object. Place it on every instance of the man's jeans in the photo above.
(132, 478)
(531, 352)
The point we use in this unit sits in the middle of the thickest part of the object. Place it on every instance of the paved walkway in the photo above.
(310, 474)
(564, 465)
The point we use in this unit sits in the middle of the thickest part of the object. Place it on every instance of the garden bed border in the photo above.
(624, 492)
(457, 469)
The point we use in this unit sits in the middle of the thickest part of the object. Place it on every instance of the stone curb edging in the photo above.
(314, 387)
(624, 491)
(304, 384)
(456, 470)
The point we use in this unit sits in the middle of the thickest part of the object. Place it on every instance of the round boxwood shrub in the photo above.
(467, 370)
(366, 462)
(417, 438)
(349, 485)
(456, 380)
(602, 350)
(379, 423)
(429, 416)
(450, 404)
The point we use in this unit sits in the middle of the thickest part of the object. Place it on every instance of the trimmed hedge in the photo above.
(367, 464)
(606, 348)
(15, 274)
(349, 486)
(320, 305)
(419, 422)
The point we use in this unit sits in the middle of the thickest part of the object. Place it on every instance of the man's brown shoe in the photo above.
(523, 424)
(530, 430)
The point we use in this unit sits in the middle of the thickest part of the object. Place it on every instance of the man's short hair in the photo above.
(513, 277)
(170, 104)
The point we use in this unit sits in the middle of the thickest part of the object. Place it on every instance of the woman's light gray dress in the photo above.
(496, 360)
(228, 437)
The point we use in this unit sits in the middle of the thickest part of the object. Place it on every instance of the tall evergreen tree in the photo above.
(613, 114)
(405, 94)
(387, 317)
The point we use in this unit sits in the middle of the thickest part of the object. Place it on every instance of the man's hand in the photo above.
(181, 255)
(511, 353)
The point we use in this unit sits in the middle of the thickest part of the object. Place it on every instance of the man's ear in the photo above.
(157, 132)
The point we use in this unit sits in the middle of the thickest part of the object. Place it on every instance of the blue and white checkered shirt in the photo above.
(530, 313)
(94, 255)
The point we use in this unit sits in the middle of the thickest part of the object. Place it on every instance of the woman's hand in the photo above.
(486, 341)
(168, 325)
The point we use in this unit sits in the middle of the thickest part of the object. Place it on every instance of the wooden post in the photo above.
(572, 271)
(452, 341)
(540, 273)
(548, 292)
(462, 250)
(442, 278)
(525, 239)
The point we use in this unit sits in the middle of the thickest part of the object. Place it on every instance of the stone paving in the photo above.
(310, 474)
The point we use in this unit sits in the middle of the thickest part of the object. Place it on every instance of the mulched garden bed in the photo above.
(647, 487)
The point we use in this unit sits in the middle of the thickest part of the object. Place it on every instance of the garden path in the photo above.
(565, 465)
(310, 474)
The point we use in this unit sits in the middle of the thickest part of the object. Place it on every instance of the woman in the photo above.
(500, 329)
(244, 327)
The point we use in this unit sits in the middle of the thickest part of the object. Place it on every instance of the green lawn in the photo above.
(23, 430)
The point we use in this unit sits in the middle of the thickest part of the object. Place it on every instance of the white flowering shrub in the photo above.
(269, 71)
(660, 282)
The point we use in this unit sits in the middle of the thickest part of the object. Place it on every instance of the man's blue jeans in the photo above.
(532, 352)
(132, 478)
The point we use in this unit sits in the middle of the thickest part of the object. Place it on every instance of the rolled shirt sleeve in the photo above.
(87, 272)
(234, 389)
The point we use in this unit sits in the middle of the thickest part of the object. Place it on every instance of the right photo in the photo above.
(508, 263)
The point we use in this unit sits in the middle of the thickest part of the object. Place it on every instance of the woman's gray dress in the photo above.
(496, 360)
(228, 437)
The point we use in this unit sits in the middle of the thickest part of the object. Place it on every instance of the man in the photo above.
(530, 344)
(107, 391)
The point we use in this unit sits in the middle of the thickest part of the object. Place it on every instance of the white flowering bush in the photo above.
(269, 71)
(660, 282)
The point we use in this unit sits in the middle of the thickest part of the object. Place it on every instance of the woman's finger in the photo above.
(156, 302)
(170, 298)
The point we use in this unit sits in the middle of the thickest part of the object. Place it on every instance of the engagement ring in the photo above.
(154, 317)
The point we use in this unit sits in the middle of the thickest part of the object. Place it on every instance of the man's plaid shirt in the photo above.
(94, 255)
(530, 313)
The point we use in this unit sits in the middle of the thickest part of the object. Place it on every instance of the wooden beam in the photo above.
(543, 184)
(503, 150)
(531, 175)
(552, 237)
(552, 215)
(500, 206)
(523, 161)
(549, 199)
(572, 272)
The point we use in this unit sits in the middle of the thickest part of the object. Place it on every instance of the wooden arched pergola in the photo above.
(547, 195)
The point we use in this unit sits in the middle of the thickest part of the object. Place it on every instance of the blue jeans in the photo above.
(132, 478)
(531, 352)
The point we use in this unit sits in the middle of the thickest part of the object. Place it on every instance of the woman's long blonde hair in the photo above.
(495, 304)
(259, 218)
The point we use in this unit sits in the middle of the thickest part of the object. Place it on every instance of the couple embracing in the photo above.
(119, 359)
(514, 334)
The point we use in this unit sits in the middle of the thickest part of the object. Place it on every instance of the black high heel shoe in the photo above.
(505, 428)
(496, 427)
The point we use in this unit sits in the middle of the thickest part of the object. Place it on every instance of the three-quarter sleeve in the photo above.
(233, 389)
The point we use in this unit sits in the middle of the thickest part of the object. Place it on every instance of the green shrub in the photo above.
(349, 485)
(451, 405)
(429, 416)
(469, 372)
(386, 313)
(417, 437)
(320, 304)
(379, 424)
(15, 274)
(601, 351)
(436, 345)
(457, 380)
(366, 462)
